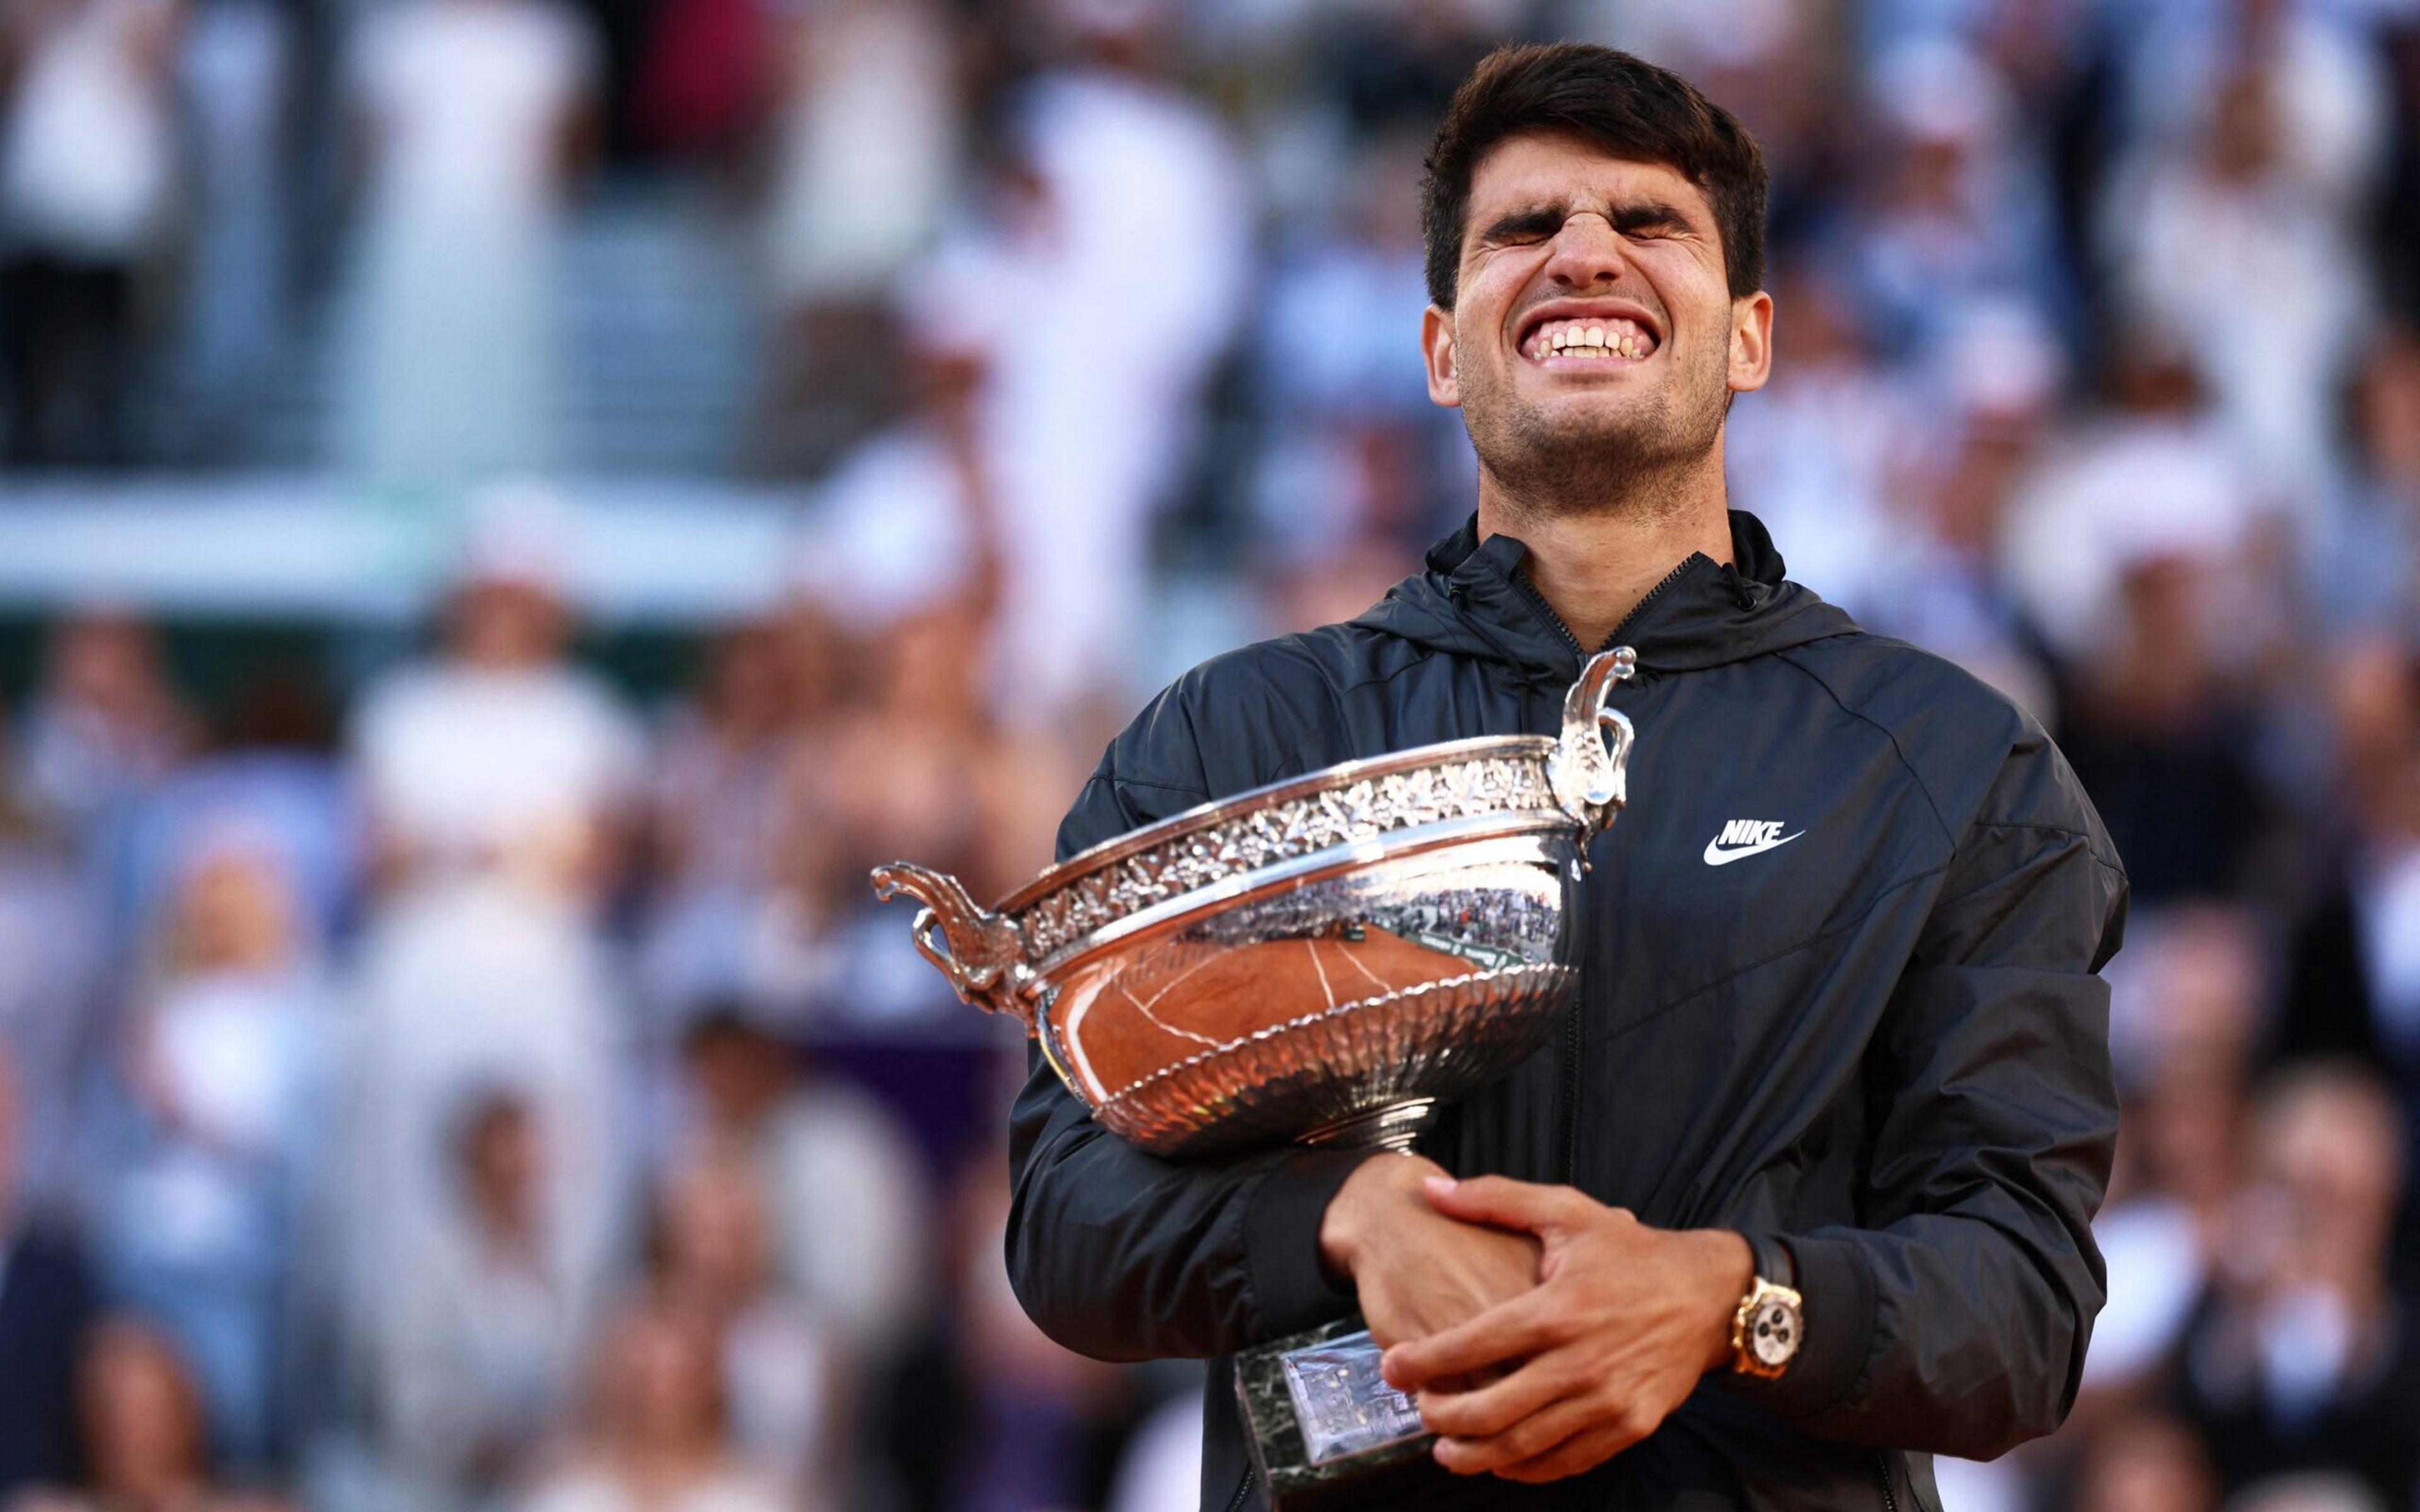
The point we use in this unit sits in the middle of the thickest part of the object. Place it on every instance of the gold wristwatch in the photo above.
(1771, 1321)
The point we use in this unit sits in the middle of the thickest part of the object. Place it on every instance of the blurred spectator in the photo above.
(864, 136)
(901, 549)
(1820, 458)
(86, 160)
(272, 769)
(207, 1143)
(2133, 552)
(2300, 1357)
(1354, 447)
(2353, 987)
(714, 1260)
(2321, 74)
(105, 726)
(1308, 592)
(2183, 1024)
(2365, 562)
(476, 1378)
(498, 780)
(238, 73)
(1111, 280)
(657, 1434)
(472, 113)
(1998, 372)
(838, 1183)
(920, 767)
(52, 961)
(46, 1303)
(1398, 65)
(725, 824)
(145, 1425)
(1023, 1422)
(2147, 1462)
(2240, 204)
(909, 517)
(497, 758)
(1957, 214)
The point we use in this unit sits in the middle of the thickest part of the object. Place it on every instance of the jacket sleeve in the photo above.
(1122, 1256)
(1954, 1318)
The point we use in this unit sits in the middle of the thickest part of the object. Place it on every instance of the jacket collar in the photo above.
(1476, 599)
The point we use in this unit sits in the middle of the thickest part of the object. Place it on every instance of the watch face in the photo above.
(1773, 1332)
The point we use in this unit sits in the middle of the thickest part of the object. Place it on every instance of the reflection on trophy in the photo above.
(1325, 959)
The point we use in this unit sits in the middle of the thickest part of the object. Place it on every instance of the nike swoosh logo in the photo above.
(1716, 855)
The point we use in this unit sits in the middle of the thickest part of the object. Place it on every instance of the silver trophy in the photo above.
(1327, 959)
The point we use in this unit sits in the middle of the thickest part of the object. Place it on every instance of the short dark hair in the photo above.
(1623, 105)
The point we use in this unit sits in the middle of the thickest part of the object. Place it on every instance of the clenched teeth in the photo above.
(1590, 338)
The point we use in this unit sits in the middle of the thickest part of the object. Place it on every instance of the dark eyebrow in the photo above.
(1545, 219)
(1648, 215)
(1529, 219)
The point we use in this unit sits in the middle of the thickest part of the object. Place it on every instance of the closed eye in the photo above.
(1525, 226)
(1650, 221)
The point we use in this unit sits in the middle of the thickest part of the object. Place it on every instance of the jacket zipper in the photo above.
(1882, 1468)
(1571, 1026)
(1244, 1487)
(1641, 606)
(1537, 601)
(1521, 581)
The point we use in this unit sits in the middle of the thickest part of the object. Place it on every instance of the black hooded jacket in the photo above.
(1880, 1042)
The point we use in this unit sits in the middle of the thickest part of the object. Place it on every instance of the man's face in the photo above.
(1594, 338)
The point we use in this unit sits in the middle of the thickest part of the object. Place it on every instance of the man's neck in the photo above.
(1594, 566)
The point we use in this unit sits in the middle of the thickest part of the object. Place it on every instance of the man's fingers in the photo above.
(1512, 1330)
(1540, 1434)
(1502, 1201)
(1476, 1410)
(1580, 1453)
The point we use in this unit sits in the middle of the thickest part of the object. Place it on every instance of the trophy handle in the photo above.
(1591, 766)
(981, 952)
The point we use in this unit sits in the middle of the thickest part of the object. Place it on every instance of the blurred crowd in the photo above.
(449, 1077)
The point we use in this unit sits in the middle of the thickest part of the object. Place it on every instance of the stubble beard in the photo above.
(1603, 461)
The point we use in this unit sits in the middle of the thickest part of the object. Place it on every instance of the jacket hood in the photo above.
(1474, 601)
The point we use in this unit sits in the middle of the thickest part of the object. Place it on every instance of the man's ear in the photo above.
(1751, 357)
(1436, 349)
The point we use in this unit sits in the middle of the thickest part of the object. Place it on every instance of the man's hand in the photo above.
(1626, 1320)
(1417, 1268)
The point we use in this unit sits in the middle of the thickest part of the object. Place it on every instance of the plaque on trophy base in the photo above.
(1325, 1429)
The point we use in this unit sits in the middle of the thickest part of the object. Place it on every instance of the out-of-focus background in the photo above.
(510, 507)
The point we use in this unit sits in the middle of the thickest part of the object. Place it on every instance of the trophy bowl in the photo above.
(1325, 959)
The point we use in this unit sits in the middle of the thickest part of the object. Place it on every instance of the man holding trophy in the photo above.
(1796, 1192)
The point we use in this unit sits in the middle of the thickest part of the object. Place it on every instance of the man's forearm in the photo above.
(1122, 1256)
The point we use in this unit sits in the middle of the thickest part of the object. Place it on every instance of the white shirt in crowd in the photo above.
(86, 143)
(460, 760)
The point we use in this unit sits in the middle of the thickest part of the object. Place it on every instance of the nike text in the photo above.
(1746, 836)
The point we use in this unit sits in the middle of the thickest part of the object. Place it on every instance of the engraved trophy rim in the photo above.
(1207, 815)
(1180, 909)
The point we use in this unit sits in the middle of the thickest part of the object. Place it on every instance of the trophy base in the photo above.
(1327, 1434)
(1389, 1126)
(1326, 1431)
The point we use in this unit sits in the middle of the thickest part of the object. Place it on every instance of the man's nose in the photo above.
(1588, 252)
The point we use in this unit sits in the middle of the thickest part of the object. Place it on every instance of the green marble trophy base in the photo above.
(1324, 1430)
